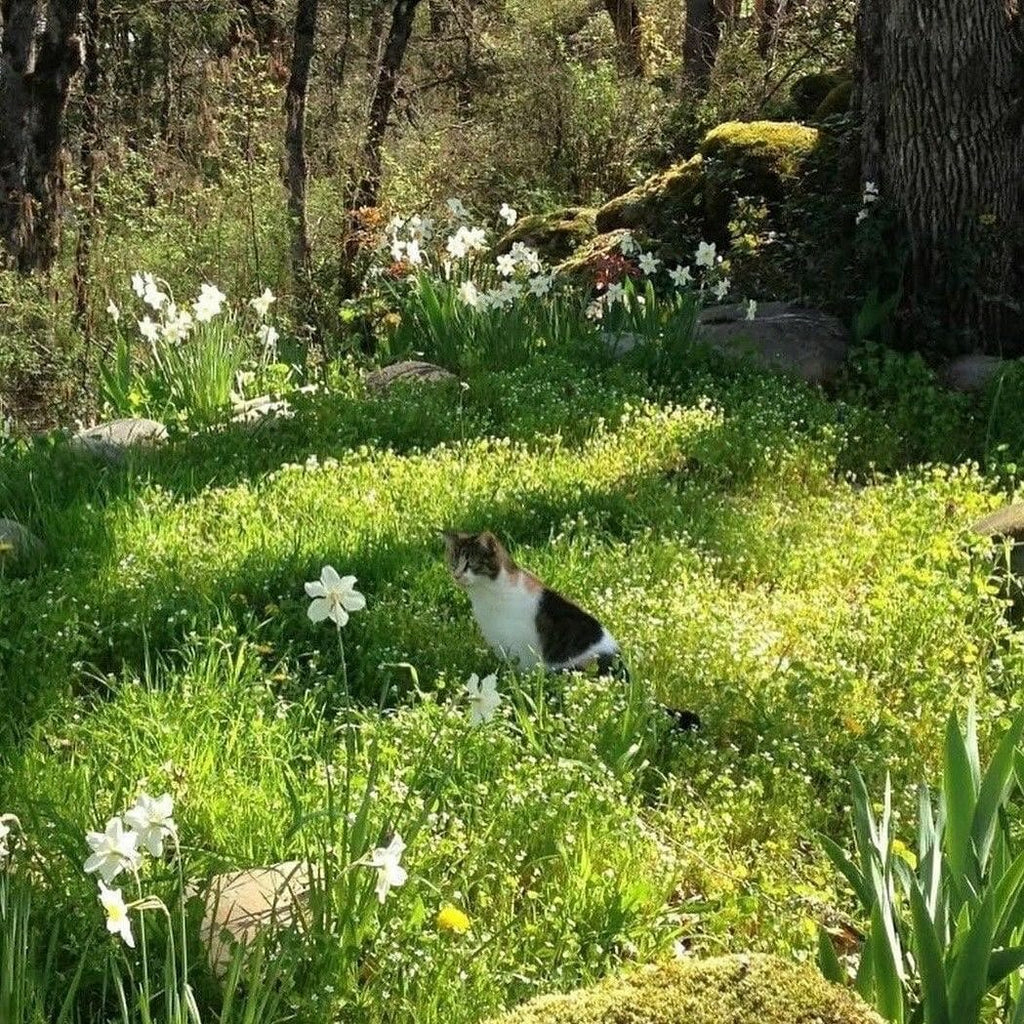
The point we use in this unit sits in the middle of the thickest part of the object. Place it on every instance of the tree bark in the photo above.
(767, 14)
(295, 138)
(625, 15)
(700, 43)
(40, 52)
(368, 191)
(90, 139)
(943, 138)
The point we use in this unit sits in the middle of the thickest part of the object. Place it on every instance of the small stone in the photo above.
(972, 374)
(1005, 527)
(111, 442)
(239, 904)
(255, 410)
(407, 370)
(17, 542)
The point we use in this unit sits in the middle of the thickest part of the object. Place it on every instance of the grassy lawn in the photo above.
(791, 567)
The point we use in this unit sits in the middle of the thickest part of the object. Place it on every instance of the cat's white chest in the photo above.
(506, 612)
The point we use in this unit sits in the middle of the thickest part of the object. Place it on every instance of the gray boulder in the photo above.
(1005, 527)
(112, 441)
(972, 374)
(17, 542)
(782, 336)
(407, 370)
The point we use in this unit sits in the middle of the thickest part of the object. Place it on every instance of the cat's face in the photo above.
(474, 558)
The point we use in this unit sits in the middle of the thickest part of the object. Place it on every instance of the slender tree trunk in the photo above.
(295, 141)
(943, 138)
(700, 43)
(368, 190)
(625, 15)
(767, 14)
(90, 138)
(40, 52)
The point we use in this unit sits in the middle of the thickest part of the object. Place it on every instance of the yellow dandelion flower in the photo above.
(901, 850)
(451, 919)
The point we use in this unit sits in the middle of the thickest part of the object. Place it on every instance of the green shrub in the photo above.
(745, 989)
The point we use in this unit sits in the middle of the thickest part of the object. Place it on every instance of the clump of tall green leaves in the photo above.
(946, 926)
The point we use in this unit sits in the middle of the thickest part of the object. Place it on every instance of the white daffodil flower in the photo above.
(263, 302)
(705, 254)
(113, 850)
(334, 597)
(751, 309)
(115, 313)
(149, 329)
(722, 288)
(209, 303)
(469, 295)
(506, 265)
(680, 276)
(648, 263)
(616, 293)
(483, 698)
(390, 873)
(508, 214)
(118, 922)
(152, 821)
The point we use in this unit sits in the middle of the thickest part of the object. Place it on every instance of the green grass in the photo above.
(729, 528)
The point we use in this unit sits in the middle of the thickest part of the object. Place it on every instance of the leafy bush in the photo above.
(946, 923)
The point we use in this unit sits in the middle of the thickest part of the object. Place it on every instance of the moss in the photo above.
(749, 989)
(554, 235)
(586, 260)
(768, 149)
(809, 92)
(669, 197)
(837, 101)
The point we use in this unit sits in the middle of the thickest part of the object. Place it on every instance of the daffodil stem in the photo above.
(344, 667)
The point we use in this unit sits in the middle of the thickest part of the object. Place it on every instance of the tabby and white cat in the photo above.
(521, 618)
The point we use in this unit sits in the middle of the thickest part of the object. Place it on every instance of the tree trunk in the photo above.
(767, 13)
(368, 190)
(700, 43)
(90, 138)
(625, 15)
(295, 141)
(943, 138)
(40, 52)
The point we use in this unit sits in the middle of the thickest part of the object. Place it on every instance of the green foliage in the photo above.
(946, 922)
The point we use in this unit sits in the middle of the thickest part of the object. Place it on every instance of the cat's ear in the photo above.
(487, 541)
(449, 537)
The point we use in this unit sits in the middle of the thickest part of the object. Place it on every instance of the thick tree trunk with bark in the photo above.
(625, 15)
(700, 43)
(295, 137)
(940, 89)
(40, 51)
(368, 191)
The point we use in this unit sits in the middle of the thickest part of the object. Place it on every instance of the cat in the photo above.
(523, 620)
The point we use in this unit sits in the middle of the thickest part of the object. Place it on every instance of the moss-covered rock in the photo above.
(554, 235)
(591, 256)
(809, 91)
(665, 199)
(836, 102)
(748, 989)
(767, 152)
(1005, 527)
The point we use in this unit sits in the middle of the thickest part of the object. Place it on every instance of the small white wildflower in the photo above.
(138, 284)
(751, 309)
(476, 238)
(113, 850)
(334, 597)
(506, 265)
(456, 245)
(648, 263)
(152, 821)
(627, 244)
(483, 698)
(705, 256)
(209, 303)
(397, 249)
(510, 291)
(680, 276)
(615, 293)
(152, 296)
(118, 922)
(722, 288)
(115, 313)
(263, 302)
(508, 214)
(412, 252)
(386, 861)
(595, 311)
(268, 337)
(862, 215)
(395, 225)
(870, 193)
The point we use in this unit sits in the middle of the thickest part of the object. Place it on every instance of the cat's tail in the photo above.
(614, 665)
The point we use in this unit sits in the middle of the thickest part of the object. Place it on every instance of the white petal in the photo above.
(338, 614)
(92, 862)
(316, 589)
(353, 602)
(319, 610)
(329, 577)
(347, 583)
(396, 875)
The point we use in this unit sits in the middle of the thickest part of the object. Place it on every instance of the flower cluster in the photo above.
(118, 849)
